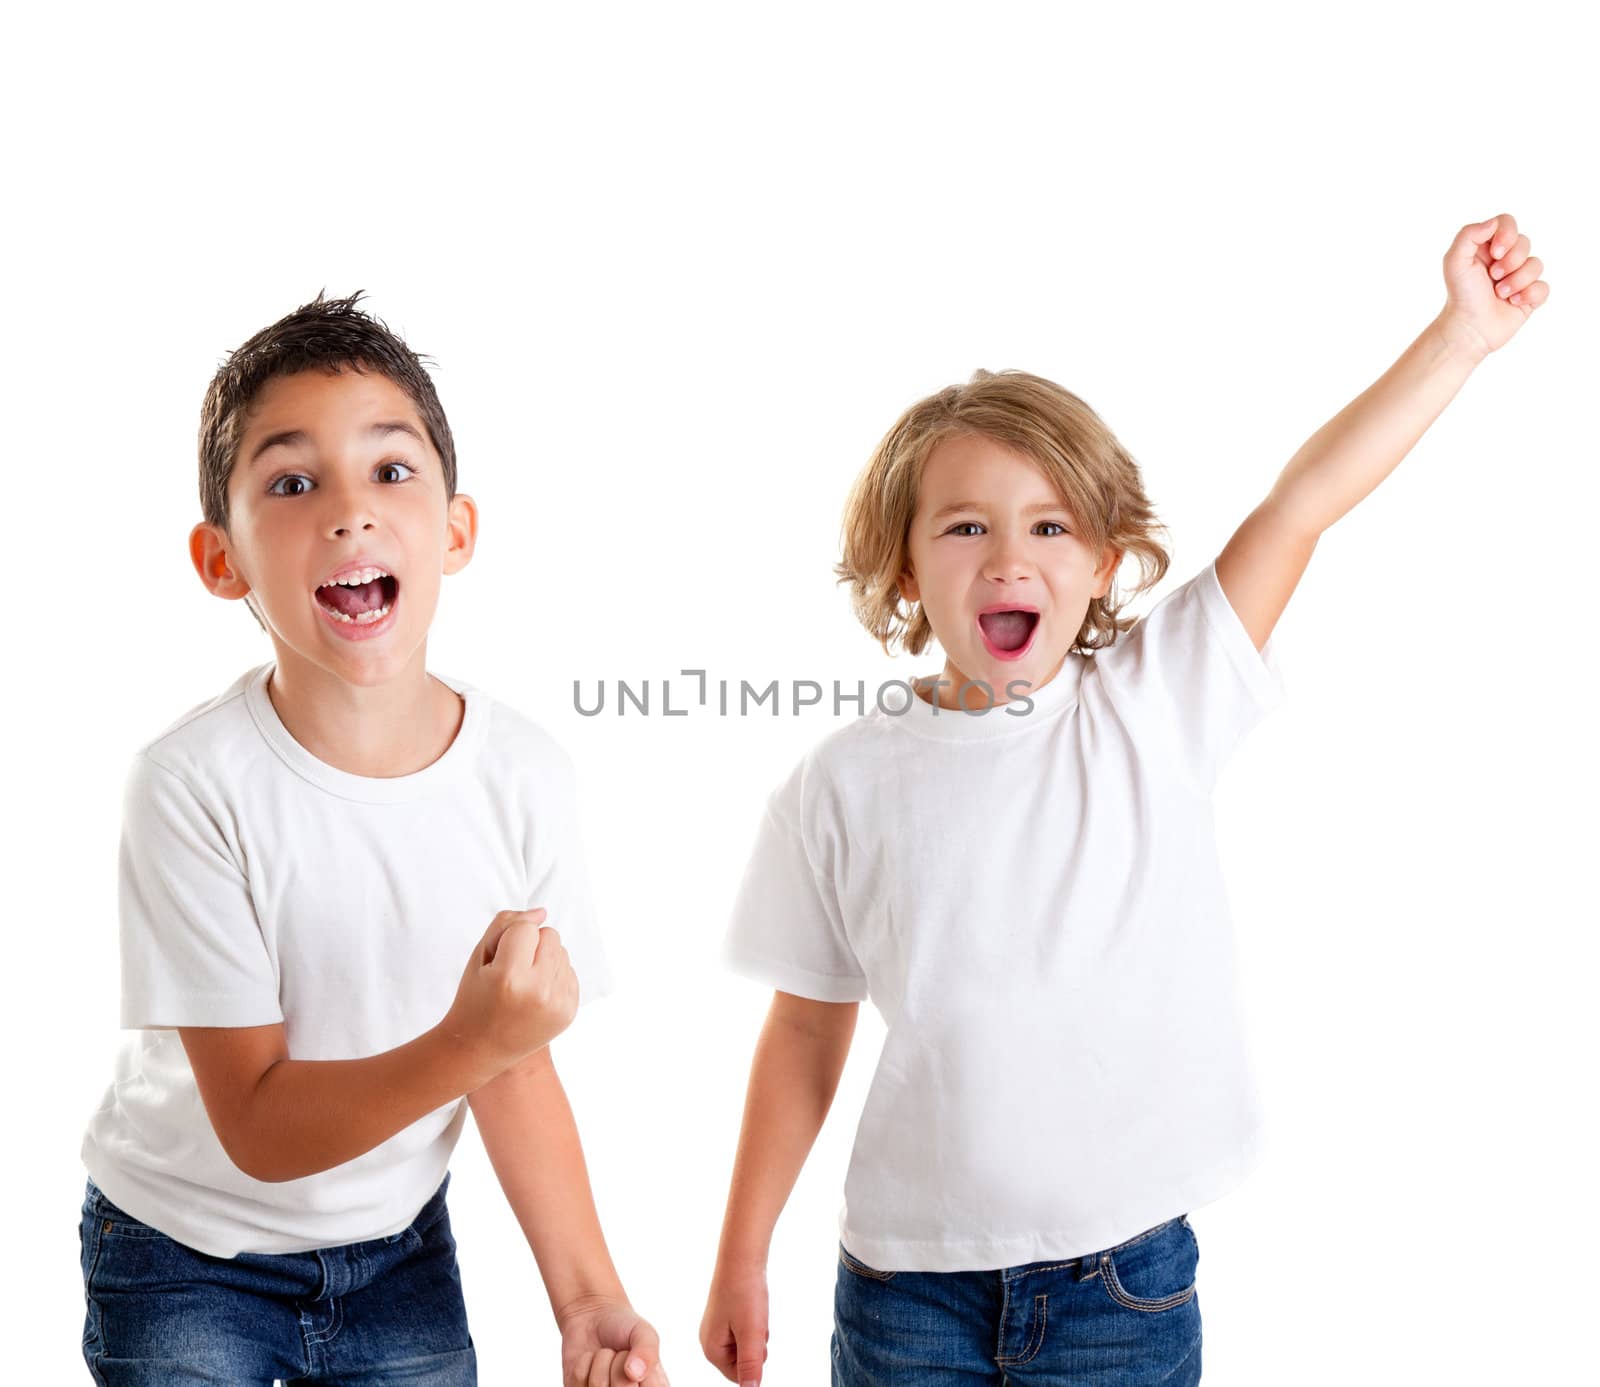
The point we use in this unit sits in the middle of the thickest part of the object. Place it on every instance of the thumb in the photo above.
(1464, 249)
(490, 943)
(748, 1356)
(644, 1348)
(516, 947)
(546, 945)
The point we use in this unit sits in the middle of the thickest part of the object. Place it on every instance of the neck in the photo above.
(398, 727)
(977, 697)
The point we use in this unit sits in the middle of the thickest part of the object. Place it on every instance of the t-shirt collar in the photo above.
(1029, 710)
(372, 789)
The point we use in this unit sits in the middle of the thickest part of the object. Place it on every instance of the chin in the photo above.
(1030, 672)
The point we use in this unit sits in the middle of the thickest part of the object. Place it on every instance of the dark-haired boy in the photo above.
(306, 860)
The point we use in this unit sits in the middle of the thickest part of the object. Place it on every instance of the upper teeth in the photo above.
(356, 579)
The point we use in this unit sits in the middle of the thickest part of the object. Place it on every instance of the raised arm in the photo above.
(1492, 286)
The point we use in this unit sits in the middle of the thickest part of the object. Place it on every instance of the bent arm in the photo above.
(281, 1119)
(793, 1077)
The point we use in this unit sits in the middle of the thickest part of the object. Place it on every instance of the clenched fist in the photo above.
(518, 992)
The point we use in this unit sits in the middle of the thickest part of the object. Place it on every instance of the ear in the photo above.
(461, 532)
(907, 583)
(210, 551)
(1110, 560)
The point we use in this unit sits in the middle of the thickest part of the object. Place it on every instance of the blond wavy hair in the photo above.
(1096, 476)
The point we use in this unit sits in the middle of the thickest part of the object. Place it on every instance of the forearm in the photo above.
(1355, 450)
(306, 1116)
(528, 1130)
(793, 1077)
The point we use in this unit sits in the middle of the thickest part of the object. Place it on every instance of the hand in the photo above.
(1492, 284)
(605, 1343)
(517, 992)
(733, 1332)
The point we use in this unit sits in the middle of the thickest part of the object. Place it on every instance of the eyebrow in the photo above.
(1034, 509)
(295, 438)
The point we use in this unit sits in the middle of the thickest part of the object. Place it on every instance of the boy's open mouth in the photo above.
(360, 603)
(1010, 629)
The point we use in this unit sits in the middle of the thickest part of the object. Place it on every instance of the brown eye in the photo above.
(384, 467)
(290, 477)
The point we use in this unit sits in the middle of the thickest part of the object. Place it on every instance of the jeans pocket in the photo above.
(1155, 1271)
(89, 1234)
(404, 1244)
(433, 1214)
(860, 1268)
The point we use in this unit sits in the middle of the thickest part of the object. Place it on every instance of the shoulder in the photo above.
(830, 771)
(518, 746)
(212, 739)
(1193, 642)
(843, 748)
(1175, 618)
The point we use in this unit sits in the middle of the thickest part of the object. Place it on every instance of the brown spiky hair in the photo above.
(327, 335)
(324, 335)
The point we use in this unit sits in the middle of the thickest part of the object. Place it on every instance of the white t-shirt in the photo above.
(258, 884)
(1033, 901)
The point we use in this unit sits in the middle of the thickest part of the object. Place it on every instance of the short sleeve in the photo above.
(192, 948)
(558, 880)
(786, 928)
(1187, 678)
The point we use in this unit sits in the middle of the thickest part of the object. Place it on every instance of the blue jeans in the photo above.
(389, 1310)
(1125, 1317)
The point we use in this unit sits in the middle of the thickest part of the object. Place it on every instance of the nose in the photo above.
(1007, 560)
(351, 510)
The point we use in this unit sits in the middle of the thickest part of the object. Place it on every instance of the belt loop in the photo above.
(1088, 1265)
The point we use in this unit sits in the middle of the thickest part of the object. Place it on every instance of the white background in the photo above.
(680, 267)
